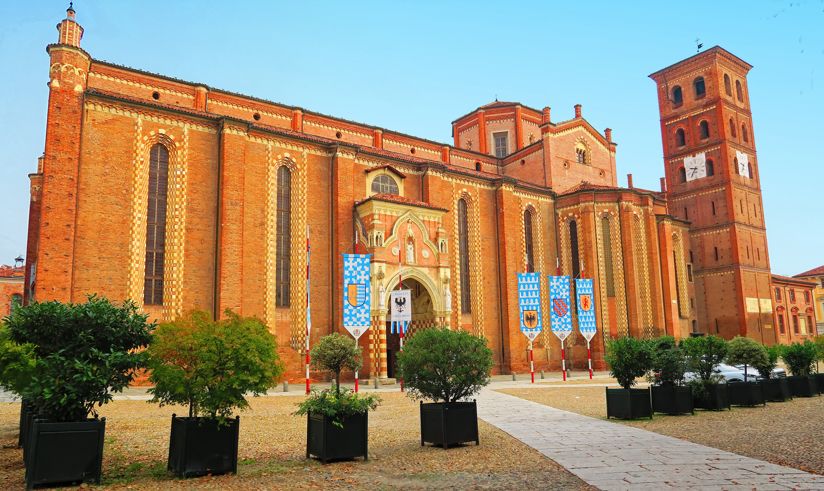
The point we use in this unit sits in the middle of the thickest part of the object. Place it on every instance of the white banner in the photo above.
(400, 304)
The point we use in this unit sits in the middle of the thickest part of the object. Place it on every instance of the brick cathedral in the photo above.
(182, 196)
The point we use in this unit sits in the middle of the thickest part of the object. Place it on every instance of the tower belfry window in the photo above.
(680, 137)
(727, 85)
(704, 129)
(700, 87)
(677, 95)
(738, 91)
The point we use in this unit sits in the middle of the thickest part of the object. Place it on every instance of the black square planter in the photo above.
(26, 414)
(199, 446)
(326, 441)
(714, 397)
(448, 424)
(819, 381)
(802, 385)
(672, 399)
(628, 403)
(64, 453)
(746, 393)
(776, 389)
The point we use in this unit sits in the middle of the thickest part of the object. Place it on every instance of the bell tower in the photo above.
(713, 181)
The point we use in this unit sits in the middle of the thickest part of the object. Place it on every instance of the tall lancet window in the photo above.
(284, 237)
(573, 245)
(607, 238)
(156, 225)
(463, 248)
(530, 252)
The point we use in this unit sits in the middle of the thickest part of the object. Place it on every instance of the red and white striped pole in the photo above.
(531, 363)
(356, 371)
(563, 359)
(589, 360)
(308, 314)
(400, 327)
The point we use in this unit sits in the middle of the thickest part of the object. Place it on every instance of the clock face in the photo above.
(695, 167)
(742, 168)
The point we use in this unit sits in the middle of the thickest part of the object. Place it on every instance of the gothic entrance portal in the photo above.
(423, 316)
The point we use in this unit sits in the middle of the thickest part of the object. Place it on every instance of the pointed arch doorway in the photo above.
(423, 316)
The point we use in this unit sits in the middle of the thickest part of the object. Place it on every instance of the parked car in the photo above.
(735, 373)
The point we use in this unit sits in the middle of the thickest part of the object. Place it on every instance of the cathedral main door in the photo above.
(423, 316)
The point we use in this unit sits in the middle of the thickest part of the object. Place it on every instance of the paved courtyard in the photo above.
(615, 456)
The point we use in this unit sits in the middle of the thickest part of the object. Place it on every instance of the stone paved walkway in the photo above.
(614, 456)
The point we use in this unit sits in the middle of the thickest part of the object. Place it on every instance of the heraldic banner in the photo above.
(400, 310)
(586, 308)
(529, 302)
(560, 314)
(357, 293)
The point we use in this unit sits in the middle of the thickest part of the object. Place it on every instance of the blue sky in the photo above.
(415, 66)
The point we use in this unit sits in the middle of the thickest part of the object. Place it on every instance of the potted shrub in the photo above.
(628, 358)
(669, 394)
(17, 364)
(799, 358)
(704, 353)
(337, 424)
(819, 376)
(749, 353)
(446, 367)
(209, 366)
(83, 353)
(775, 389)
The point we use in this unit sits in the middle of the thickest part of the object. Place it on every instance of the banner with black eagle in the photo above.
(529, 303)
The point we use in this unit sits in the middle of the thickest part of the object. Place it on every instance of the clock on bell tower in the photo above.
(713, 182)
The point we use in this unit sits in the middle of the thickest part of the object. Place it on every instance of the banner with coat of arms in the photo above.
(586, 308)
(357, 293)
(560, 315)
(400, 310)
(529, 303)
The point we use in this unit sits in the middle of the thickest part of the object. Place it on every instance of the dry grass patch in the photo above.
(785, 433)
(272, 449)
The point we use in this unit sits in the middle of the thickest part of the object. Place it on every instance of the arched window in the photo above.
(682, 175)
(710, 168)
(530, 253)
(581, 155)
(700, 87)
(739, 94)
(384, 184)
(573, 245)
(680, 137)
(283, 253)
(677, 95)
(463, 250)
(704, 130)
(607, 239)
(749, 171)
(744, 135)
(727, 86)
(732, 128)
(156, 225)
(713, 207)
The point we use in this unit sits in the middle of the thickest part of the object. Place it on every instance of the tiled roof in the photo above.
(588, 186)
(789, 279)
(394, 198)
(819, 271)
(7, 271)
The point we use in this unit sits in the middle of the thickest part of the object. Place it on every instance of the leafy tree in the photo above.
(83, 353)
(334, 353)
(819, 348)
(800, 357)
(17, 363)
(628, 358)
(765, 367)
(444, 365)
(211, 365)
(747, 352)
(704, 353)
(668, 361)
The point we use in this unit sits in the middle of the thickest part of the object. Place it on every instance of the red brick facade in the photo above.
(224, 249)
(794, 313)
(11, 288)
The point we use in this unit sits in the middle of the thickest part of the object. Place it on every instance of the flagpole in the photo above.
(531, 363)
(308, 313)
(401, 326)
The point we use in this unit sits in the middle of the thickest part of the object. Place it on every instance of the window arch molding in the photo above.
(384, 173)
(176, 145)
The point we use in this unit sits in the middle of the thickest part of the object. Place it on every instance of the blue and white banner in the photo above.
(586, 308)
(357, 294)
(529, 303)
(560, 312)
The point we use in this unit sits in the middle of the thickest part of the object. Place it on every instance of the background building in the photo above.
(11, 288)
(816, 275)
(181, 196)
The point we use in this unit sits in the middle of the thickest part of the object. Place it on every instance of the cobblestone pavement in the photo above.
(615, 456)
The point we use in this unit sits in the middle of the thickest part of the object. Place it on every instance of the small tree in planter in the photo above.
(799, 358)
(17, 364)
(83, 353)
(669, 395)
(704, 353)
(628, 358)
(775, 389)
(750, 353)
(210, 366)
(446, 367)
(337, 419)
